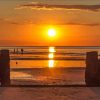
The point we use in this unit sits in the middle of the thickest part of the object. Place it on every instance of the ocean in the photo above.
(42, 65)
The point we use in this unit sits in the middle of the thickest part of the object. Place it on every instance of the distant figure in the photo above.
(17, 51)
(14, 51)
(22, 51)
(16, 62)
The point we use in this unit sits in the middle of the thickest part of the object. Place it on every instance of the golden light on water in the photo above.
(51, 63)
(51, 57)
(52, 49)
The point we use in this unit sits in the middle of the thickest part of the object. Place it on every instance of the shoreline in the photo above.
(71, 58)
(47, 68)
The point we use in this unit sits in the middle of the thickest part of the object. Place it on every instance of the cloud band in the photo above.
(66, 7)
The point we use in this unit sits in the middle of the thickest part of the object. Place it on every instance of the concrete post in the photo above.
(91, 72)
(4, 68)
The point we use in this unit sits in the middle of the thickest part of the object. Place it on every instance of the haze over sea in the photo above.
(48, 65)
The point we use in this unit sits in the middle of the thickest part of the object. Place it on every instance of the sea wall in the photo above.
(92, 72)
(4, 68)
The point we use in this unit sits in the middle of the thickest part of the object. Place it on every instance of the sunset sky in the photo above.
(26, 22)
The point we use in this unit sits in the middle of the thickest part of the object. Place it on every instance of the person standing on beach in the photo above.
(14, 51)
(17, 51)
(22, 51)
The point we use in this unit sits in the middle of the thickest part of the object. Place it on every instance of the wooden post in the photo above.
(4, 68)
(91, 72)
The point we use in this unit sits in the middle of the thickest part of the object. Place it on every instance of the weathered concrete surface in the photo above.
(51, 93)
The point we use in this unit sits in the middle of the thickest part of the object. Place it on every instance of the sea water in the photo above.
(48, 65)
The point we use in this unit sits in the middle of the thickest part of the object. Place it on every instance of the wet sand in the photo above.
(48, 76)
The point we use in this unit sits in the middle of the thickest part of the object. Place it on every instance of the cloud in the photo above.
(39, 6)
(3, 20)
(9, 21)
(65, 23)
(83, 24)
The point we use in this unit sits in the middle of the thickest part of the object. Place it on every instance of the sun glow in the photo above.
(52, 32)
(51, 49)
(51, 63)
(51, 57)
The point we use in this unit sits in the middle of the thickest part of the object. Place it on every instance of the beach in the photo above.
(48, 76)
(43, 65)
(49, 49)
(55, 75)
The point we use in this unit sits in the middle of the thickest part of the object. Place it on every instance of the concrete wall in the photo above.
(92, 72)
(4, 68)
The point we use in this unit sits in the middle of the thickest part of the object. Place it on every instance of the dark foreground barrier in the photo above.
(92, 72)
(4, 68)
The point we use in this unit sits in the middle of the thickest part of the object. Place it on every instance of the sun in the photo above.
(52, 32)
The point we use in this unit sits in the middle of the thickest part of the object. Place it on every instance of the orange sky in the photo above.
(23, 23)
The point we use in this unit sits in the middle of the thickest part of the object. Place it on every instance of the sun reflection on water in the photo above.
(51, 63)
(51, 57)
(52, 49)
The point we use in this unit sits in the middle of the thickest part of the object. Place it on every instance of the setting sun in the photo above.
(51, 32)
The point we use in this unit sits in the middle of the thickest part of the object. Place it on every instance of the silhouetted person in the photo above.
(14, 51)
(22, 51)
(17, 51)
